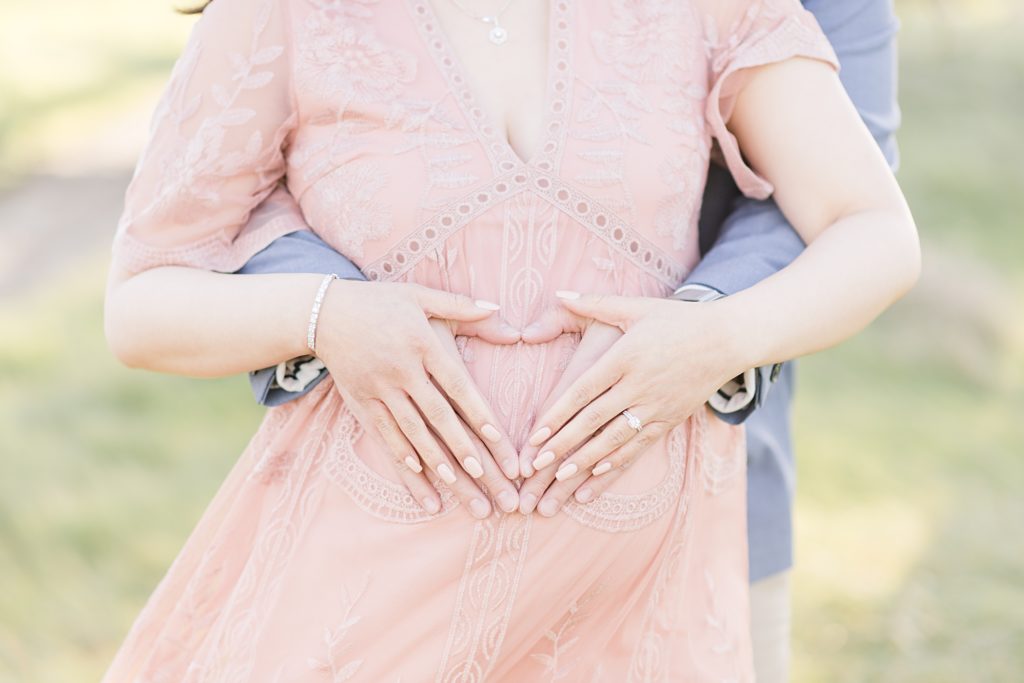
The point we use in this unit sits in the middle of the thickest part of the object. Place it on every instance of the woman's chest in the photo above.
(405, 120)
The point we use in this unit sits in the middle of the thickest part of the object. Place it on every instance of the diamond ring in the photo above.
(633, 420)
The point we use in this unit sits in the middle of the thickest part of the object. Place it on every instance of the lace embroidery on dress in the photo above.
(643, 47)
(557, 92)
(255, 590)
(373, 493)
(486, 595)
(604, 223)
(189, 179)
(625, 512)
(650, 661)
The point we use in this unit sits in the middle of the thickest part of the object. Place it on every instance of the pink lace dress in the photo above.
(312, 563)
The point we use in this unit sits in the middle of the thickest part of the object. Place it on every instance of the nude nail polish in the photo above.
(539, 436)
(548, 507)
(479, 508)
(566, 471)
(446, 473)
(491, 433)
(602, 469)
(473, 467)
(488, 305)
(507, 501)
(527, 503)
(567, 294)
(543, 460)
(431, 505)
(413, 464)
(585, 495)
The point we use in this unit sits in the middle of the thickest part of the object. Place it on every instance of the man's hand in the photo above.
(402, 374)
(671, 357)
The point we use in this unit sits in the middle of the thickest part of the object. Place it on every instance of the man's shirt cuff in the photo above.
(739, 393)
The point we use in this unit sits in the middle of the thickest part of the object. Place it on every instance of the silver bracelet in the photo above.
(315, 313)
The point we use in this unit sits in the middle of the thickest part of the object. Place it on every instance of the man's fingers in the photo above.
(440, 304)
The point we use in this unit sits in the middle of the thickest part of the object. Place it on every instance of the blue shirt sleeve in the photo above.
(296, 252)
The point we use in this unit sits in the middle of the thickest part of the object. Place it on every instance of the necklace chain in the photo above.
(497, 34)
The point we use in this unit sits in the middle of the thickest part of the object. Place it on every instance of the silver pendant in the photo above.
(498, 34)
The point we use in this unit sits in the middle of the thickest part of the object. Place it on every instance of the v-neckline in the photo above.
(556, 86)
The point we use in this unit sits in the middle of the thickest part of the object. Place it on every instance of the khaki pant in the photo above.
(769, 626)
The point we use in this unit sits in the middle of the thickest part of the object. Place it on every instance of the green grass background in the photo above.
(910, 437)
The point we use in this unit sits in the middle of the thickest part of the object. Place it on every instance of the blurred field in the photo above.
(910, 514)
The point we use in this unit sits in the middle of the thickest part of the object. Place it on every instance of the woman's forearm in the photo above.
(841, 282)
(195, 322)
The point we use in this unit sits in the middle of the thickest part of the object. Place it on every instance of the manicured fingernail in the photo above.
(508, 501)
(527, 502)
(472, 466)
(548, 507)
(490, 306)
(431, 505)
(601, 469)
(566, 471)
(526, 469)
(446, 473)
(509, 330)
(511, 468)
(491, 433)
(539, 436)
(584, 495)
(479, 508)
(567, 294)
(413, 464)
(543, 460)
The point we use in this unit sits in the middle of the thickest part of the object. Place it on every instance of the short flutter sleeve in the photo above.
(215, 147)
(743, 34)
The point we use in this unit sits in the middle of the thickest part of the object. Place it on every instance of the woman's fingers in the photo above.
(587, 387)
(616, 434)
(492, 329)
(554, 321)
(604, 473)
(435, 456)
(406, 461)
(582, 427)
(438, 303)
(461, 392)
(497, 484)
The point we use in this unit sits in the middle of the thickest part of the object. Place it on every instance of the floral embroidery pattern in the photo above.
(334, 641)
(561, 639)
(345, 57)
(344, 205)
(190, 178)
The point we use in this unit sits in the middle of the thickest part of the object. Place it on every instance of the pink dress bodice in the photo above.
(365, 112)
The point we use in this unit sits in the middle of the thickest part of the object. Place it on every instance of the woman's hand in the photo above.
(672, 356)
(390, 365)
